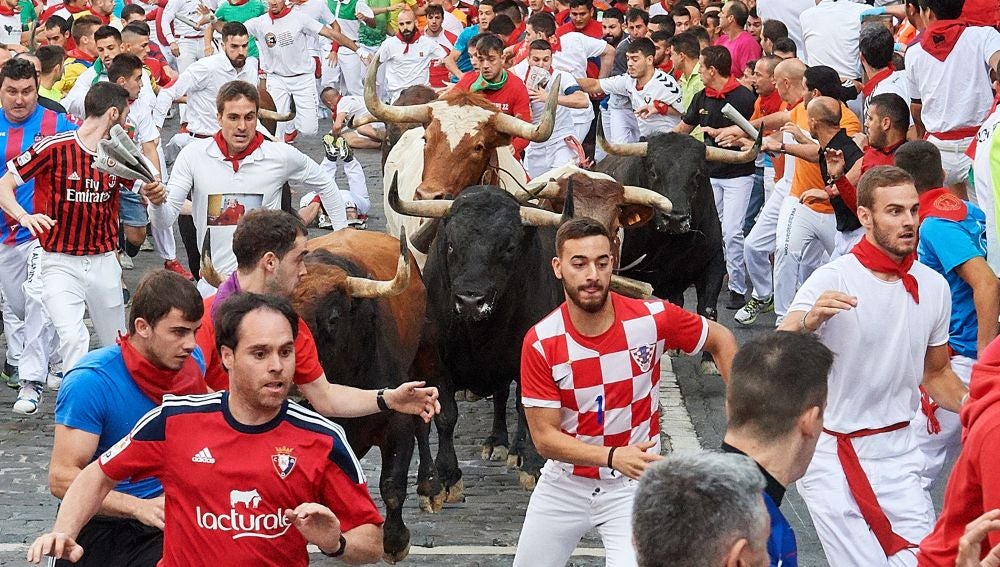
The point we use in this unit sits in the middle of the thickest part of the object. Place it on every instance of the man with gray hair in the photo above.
(701, 509)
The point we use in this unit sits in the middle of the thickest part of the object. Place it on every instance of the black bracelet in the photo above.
(380, 400)
(340, 551)
(611, 455)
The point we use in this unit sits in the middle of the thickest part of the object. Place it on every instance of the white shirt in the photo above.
(988, 183)
(73, 101)
(661, 87)
(284, 43)
(201, 170)
(140, 116)
(319, 46)
(894, 83)
(574, 50)
(10, 29)
(878, 346)
(564, 124)
(956, 92)
(187, 8)
(451, 24)
(788, 12)
(201, 82)
(408, 65)
(351, 28)
(830, 34)
(351, 106)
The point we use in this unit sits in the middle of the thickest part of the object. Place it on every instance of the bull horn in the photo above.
(642, 196)
(539, 190)
(355, 122)
(568, 205)
(721, 155)
(208, 272)
(531, 132)
(428, 209)
(265, 114)
(364, 288)
(424, 236)
(631, 288)
(387, 113)
(530, 216)
(637, 149)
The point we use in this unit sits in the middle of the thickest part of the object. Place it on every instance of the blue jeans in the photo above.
(756, 200)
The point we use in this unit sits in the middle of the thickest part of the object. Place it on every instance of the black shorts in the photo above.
(118, 542)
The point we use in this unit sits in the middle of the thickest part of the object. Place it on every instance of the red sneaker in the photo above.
(176, 267)
(290, 137)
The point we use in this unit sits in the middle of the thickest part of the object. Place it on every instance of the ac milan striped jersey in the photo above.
(82, 200)
(606, 387)
(15, 138)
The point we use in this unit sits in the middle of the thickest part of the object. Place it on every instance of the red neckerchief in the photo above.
(879, 156)
(515, 35)
(940, 37)
(81, 55)
(155, 382)
(667, 67)
(943, 204)
(255, 143)
(284, 12)
(76, 9)
(6, 10)
(401, 37)
(770, 104)
(877, 78)
(105, 20)
(731, 85)
(876, 260)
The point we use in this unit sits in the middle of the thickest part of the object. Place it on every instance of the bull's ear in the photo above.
(634, 216)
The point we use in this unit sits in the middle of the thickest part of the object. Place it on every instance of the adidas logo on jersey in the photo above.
(73, 176)
(203, 456)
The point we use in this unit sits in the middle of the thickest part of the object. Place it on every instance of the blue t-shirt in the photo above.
(781, 546)
(16, 138)
(462, 45)
(99, 396)
(945, 245)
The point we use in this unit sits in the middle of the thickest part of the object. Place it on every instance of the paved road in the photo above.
(478, 532)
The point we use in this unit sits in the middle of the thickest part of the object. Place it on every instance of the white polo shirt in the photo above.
(174, 28)
(201, 82)
(661, 87)
(878, 346)
(564, 115)
(284, 42)
(220, 196)
(830, 33)
(788, 12)
(956, 92)
(407, 65)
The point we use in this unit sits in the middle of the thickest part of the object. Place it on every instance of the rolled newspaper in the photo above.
(119, 156)
(731, 113)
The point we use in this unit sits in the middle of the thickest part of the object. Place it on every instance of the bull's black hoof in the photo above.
(396, 557)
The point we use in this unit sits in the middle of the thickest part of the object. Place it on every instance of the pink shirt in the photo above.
(743, 49)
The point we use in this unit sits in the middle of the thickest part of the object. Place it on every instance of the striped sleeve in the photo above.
(34, 160)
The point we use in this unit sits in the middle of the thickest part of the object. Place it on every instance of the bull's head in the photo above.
(267, 114)
(462, 132)
(673, 166)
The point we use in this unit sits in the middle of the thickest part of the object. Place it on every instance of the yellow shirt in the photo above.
(52, 94)
(690, 86)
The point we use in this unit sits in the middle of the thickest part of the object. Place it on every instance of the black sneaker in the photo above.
(736, 300)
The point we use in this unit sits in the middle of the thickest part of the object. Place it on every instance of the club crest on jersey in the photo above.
(283, 461)
(270, 39)
(23, 158)
(643, 356)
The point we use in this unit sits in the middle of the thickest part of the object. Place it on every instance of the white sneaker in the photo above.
(55, 376)
(126, 261)
(29, 397)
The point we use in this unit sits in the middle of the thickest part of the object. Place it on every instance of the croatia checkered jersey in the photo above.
(606, 387)
(17, 138)
(227, 485)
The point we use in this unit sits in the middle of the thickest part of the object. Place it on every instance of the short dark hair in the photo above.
(661, 36)
(825, 80)
(60, 22)
(679, 11)
(123, 65)
(17, 69)
(261, 231)
(774, 30)
(160, 291)
(234, 90)
(922, 160)
(540, 45)
(893, 107)
(489, 43)
(718, 57)
(876, 45)
(132, 10)
(739, 12)
(581, 4)
(104, 32)
(103, 96)
(642, 45)
(510, 9)
(502, 25)
(878, 177)
(50, 56)
(230, 29)
(701, 34)
(84, 26)
(687, 44)
(230, 314)
(665, 22)
(543, 23)
(613, 14)
(943, 9)
(434, 10)
(634, 14)
(775, 378)
(136, 28)
(786, 45)
(577, 228)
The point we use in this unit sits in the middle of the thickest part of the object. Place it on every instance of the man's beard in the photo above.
(408, 35)
(885, 241)
(613, 39)
(591, 305)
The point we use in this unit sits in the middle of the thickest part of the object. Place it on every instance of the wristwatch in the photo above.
(340, 551)
(380, 400)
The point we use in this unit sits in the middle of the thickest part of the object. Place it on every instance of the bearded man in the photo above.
(407, 57)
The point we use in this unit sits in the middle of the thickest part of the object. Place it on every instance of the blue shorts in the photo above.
(131, 210)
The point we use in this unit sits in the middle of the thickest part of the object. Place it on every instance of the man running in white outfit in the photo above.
(885, 317)
(283, 38)
(186, 43)
(589, 375)
(408, 55)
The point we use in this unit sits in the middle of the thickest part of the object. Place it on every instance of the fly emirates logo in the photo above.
(242, 519)
(93, 193)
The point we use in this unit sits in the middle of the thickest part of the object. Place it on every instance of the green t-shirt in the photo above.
(373, 37)
(231, 13)
(28, 13)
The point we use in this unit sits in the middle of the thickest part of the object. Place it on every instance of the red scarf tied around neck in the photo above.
(255, 143)
(414, 39)
(155, 382)
(876, 260)
(6, 10)
(940, 37)
(731, 85)
(284, 12)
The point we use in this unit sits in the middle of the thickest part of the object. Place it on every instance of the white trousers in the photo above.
(356, 182)
(732, 196)
(954, 161)
(939, 447)
(41, 343)
(893, 463)
(352, 72)
(564, 507)
(13, 274)
(74, 284)
(301, 89)
(805, 241)
(192, 49)
(759, 244)
(539, 158)
(13, 332)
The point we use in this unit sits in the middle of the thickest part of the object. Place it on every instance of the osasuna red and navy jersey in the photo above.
(606, 387)
(82, 200)
(227, 485)
(17, 137)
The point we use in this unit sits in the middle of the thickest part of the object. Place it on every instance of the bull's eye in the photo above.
(451, 249)
(480, 148)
